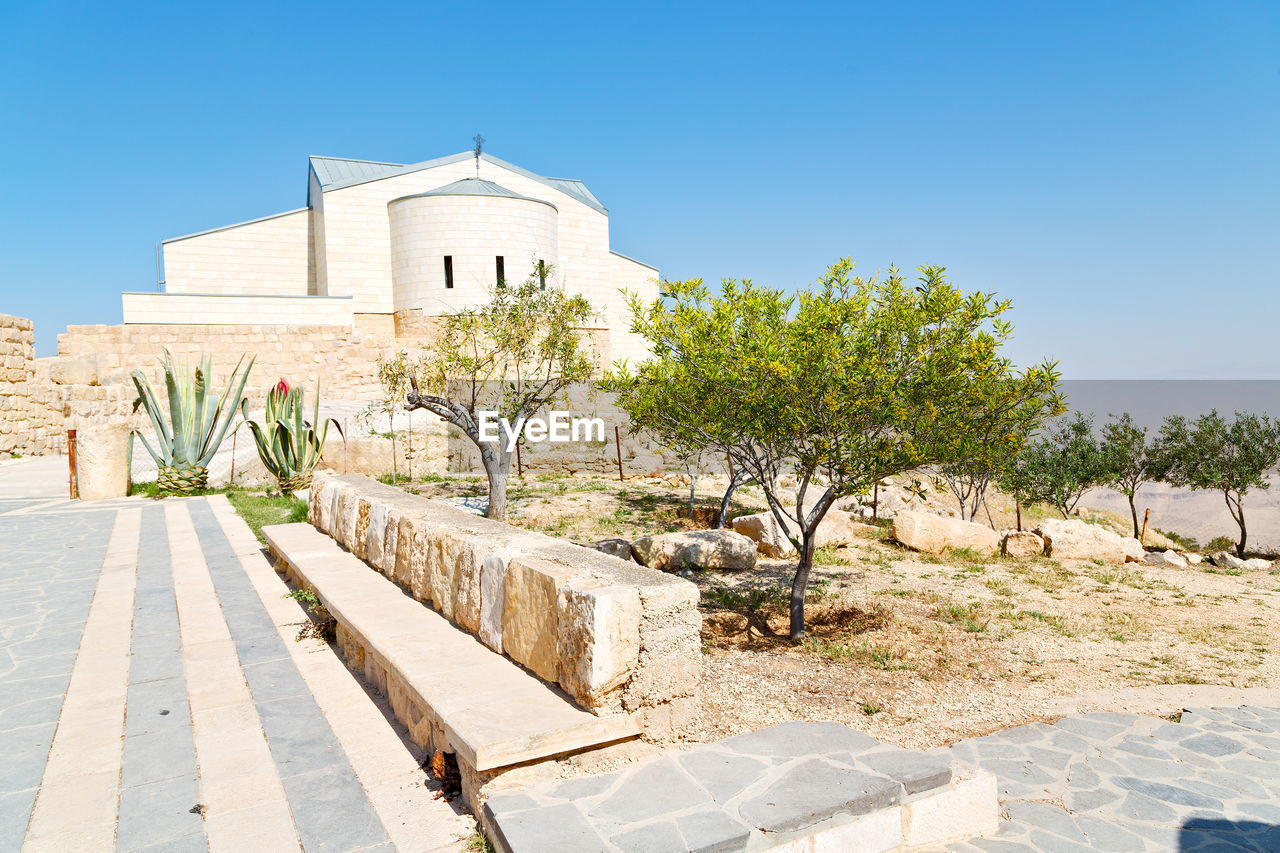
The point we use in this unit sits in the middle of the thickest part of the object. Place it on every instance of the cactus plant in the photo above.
(288, 445)
(190, 438)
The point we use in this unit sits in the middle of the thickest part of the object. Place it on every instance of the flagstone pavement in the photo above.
(153, 695)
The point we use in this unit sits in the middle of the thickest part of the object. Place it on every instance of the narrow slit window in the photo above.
(502, 276)
(448, 272)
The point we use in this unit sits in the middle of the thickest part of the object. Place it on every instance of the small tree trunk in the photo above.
(1133, 510)
(734, 482)
(1244, 533)
(497, 467)
(1017, 506)
(800, 584)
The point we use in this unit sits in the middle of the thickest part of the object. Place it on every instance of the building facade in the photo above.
(387, 246)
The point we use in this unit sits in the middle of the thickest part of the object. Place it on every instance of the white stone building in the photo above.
(388, 243)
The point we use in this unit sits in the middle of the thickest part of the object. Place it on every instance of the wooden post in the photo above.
(1142, 540)
(72, 485)
(875, 502)
(1018, 506)
(519, 463)
(617, 439)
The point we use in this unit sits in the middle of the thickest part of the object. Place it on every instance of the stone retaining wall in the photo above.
(641, 456)
(29, 423)
(341, 359)
(611, 634)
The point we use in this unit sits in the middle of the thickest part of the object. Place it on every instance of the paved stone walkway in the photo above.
(793, 782)
(1124, 782)
(153, 695)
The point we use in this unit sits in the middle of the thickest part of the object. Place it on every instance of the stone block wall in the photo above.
(341, 359)
(641, 456)
(29, 422)
(612, 634)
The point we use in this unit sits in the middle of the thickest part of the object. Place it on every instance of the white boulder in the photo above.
(1166, 558)
(696, 549)
(934, 534)
(1021, 543)
(1078, 540)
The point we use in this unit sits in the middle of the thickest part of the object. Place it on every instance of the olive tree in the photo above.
(1003, 417)
(1061, 467)
(834, 388)
(1129, 460)
(505, 360)
(1211, 454)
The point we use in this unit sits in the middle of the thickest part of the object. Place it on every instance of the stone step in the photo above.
(468, 699)
(795, 787)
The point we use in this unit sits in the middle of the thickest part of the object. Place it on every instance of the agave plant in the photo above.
(288, 445)
(187, 442)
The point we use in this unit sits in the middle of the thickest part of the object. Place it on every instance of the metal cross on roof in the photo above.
(479, 141)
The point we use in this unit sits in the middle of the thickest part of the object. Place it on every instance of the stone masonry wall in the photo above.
(641, 456)
(29, 424)
(612, 634)
(340, 359)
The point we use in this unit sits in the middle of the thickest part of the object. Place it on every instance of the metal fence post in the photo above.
(617, 439)
(73, 485)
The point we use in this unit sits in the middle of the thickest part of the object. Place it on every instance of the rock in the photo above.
(530, 614)
(763, 529)
(1192, 559)
(934, 534)
(598, 639)
(838, 529)
(102, 462)
(493, 571)
(1021, 543)
(1079, 540)
(1256, 564)
(1166, 558)
(73, 371)
(696, 549)
(1225, 560)
(619, 548)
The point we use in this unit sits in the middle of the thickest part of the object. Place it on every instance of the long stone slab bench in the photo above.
(454, 693)
(796, 787)
(615, 636)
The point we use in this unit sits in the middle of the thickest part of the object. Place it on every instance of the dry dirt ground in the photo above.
(920, 650)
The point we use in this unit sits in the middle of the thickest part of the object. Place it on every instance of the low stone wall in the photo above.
(29, 422)
(613, 635)
(641, 457)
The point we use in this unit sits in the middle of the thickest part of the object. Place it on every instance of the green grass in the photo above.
(476, 843)
(259, 510)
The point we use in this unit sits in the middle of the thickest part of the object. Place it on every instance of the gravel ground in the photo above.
(922, 651)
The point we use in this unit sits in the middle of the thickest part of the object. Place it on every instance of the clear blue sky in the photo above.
(1114, 168)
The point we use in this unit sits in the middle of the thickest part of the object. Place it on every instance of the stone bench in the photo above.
(452, 692)
(791, 787)
(615, 636)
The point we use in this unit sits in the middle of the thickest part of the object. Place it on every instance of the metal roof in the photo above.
(335, 173)
(475, 186)
(333, 170)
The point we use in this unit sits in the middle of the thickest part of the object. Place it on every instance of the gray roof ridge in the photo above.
(406, 168)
